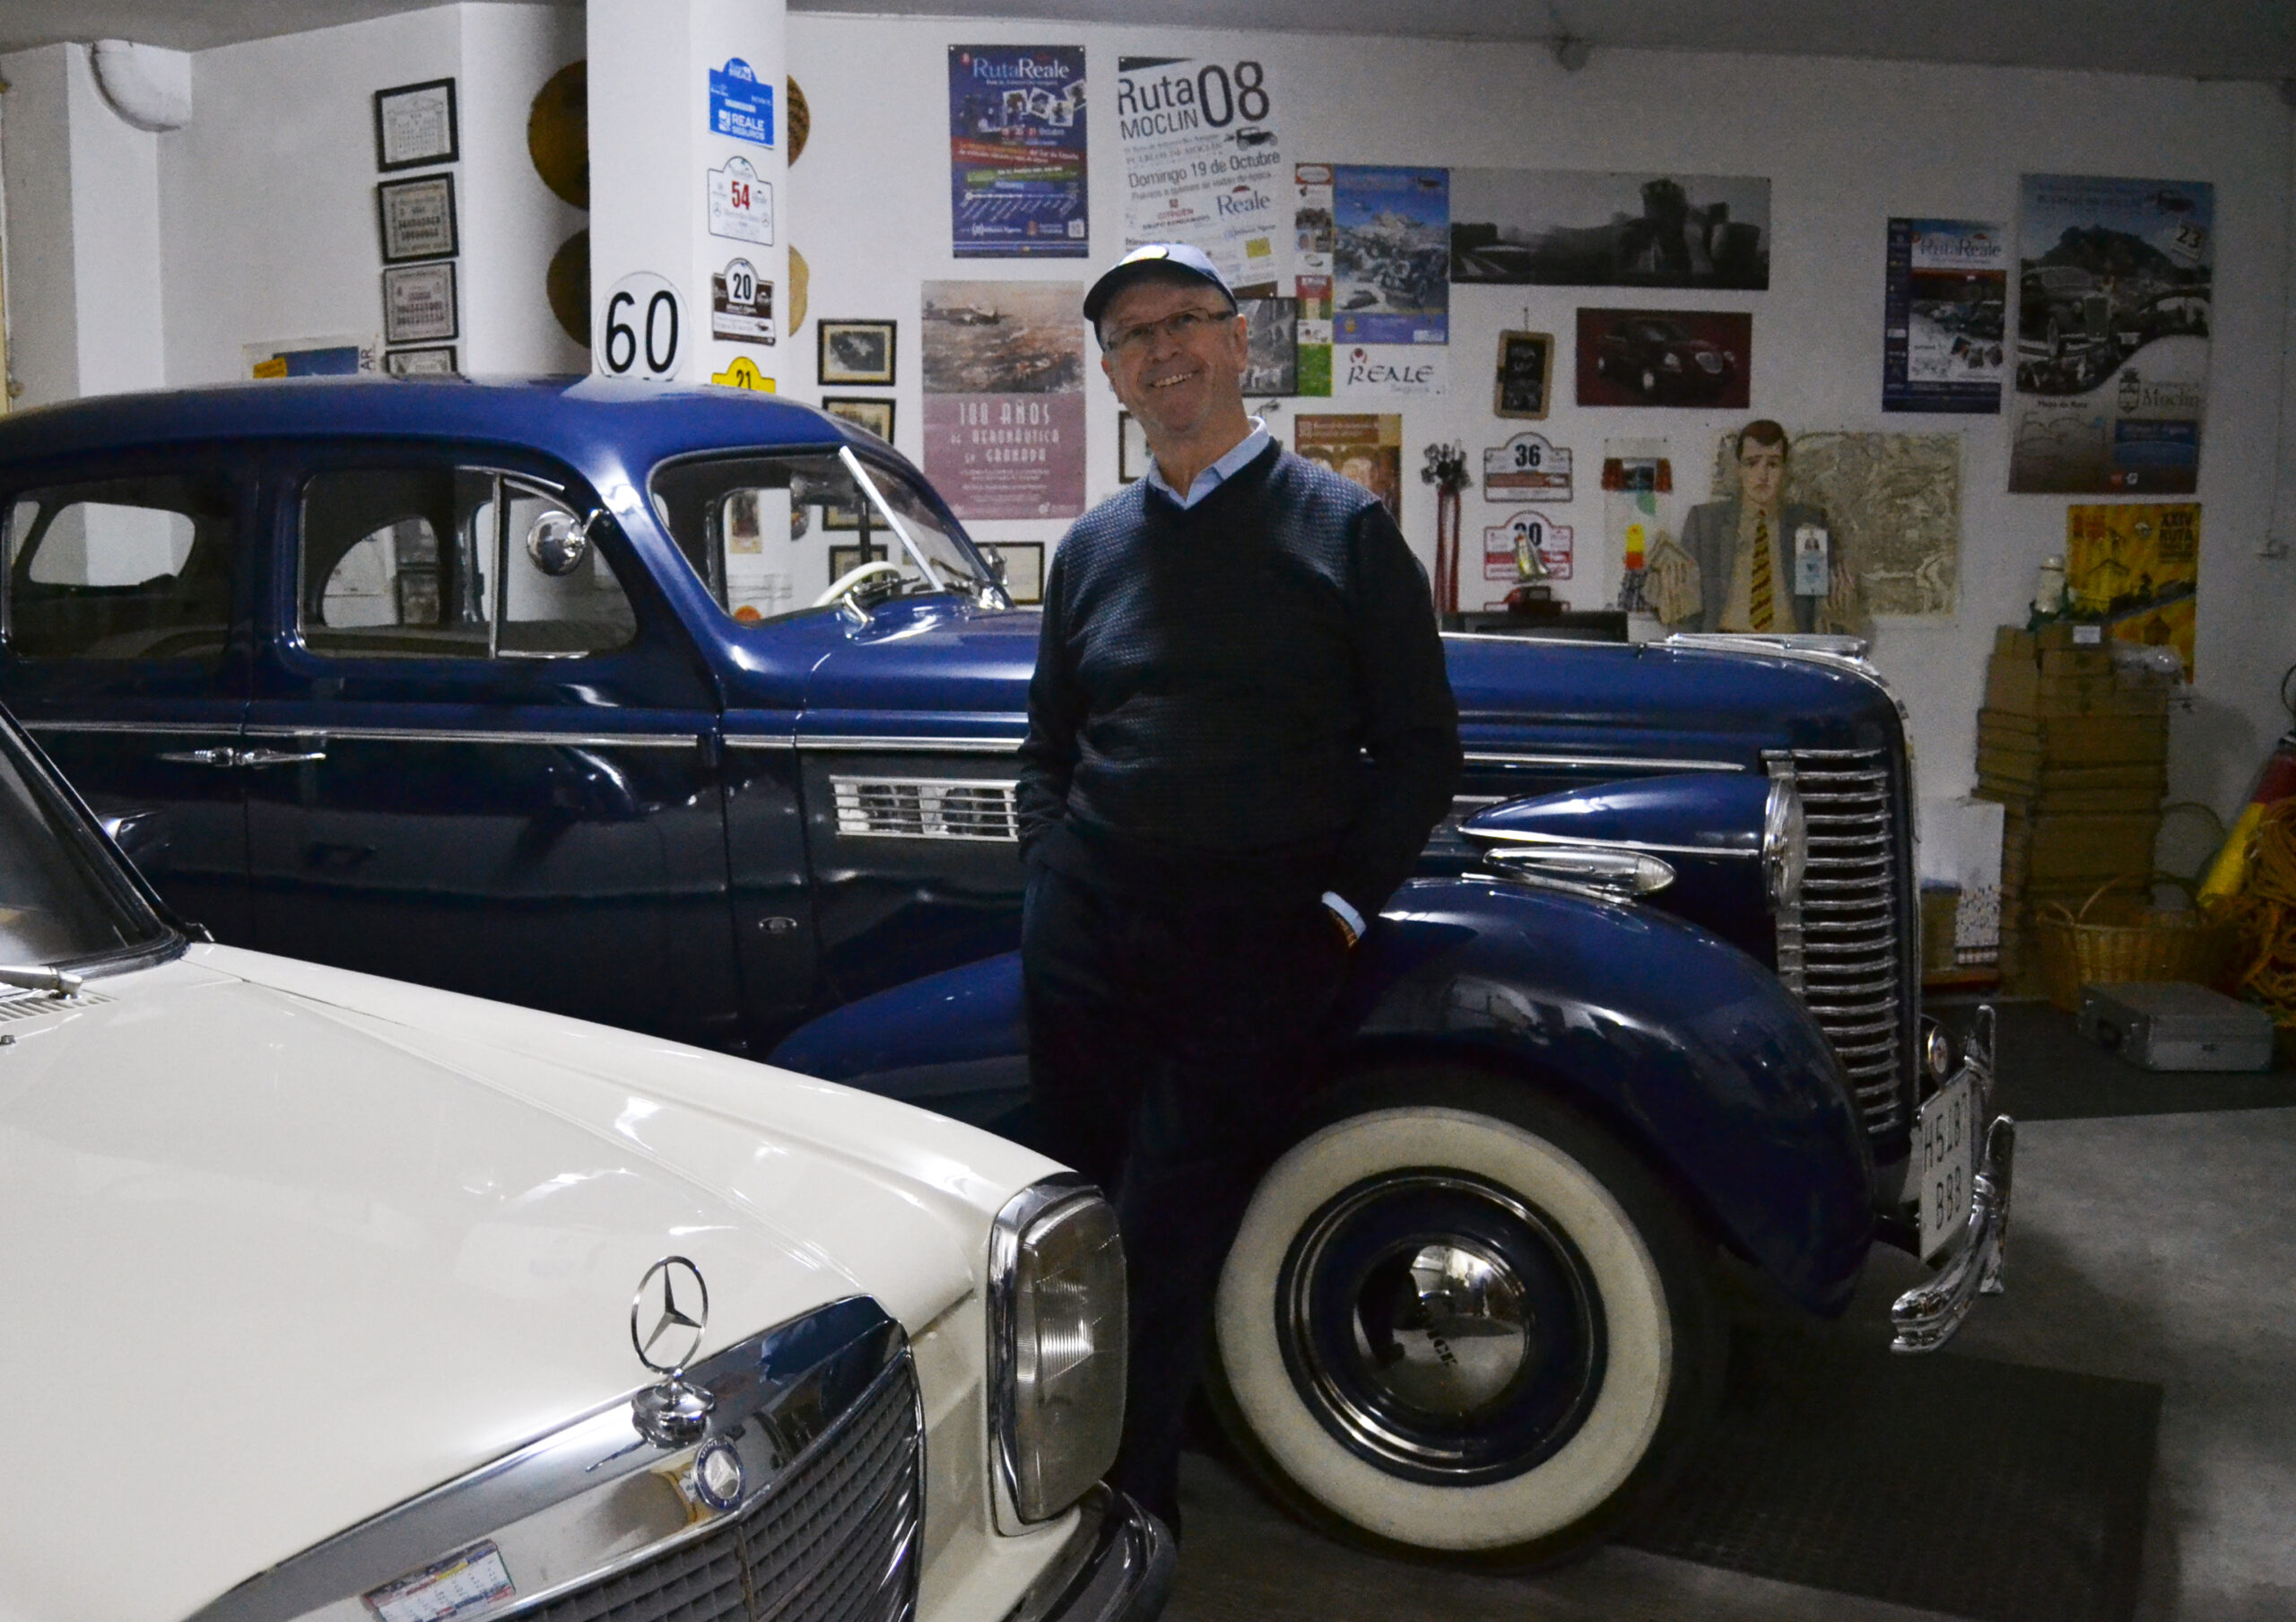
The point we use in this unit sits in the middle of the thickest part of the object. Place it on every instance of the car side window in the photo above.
(124, 568)
(407, 563)
(775, 535)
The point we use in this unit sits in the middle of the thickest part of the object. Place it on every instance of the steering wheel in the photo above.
(843, 585)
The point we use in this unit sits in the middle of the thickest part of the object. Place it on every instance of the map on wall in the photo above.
(1893, 503)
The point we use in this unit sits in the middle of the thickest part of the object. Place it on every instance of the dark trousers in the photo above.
(1174, 1032)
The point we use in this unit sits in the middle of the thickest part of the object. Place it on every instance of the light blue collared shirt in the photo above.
(1218, 474)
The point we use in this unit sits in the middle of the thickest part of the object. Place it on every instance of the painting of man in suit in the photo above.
(1759, 562)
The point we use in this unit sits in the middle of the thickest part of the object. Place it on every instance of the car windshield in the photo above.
(62, 898)
(773, 534)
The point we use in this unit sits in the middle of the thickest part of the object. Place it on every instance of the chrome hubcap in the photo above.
(1440, 1327)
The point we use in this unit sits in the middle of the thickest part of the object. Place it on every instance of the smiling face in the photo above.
(1761, 474)
(1180, 386)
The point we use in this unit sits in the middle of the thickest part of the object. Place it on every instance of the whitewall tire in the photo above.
(1461, 1321)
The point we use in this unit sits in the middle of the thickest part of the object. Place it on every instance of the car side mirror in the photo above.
(559, 543)
(999, 567)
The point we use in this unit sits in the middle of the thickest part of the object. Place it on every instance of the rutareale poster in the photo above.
(1016, 152)
(1004, 397)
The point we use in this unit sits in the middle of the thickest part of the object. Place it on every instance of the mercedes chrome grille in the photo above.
(802, 1504)
(1856, 966)
(926, 808)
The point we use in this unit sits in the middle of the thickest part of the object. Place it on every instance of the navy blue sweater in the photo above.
(1254, 685)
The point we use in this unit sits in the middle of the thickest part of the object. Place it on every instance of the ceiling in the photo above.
(2188, 39)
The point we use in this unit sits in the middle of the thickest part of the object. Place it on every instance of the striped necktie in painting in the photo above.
(1758, 603)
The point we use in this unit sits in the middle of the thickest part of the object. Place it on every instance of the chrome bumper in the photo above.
(1926, 1318)
(1116, 1566)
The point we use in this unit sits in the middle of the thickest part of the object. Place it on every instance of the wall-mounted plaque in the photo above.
(415, 125)
(419, 304)
(437, 361)
(418, 217)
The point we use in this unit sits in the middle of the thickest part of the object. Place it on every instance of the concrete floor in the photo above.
(2157, 1247)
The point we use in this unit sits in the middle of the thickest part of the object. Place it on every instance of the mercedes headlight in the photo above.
(1057, 1345)
(1785, 845)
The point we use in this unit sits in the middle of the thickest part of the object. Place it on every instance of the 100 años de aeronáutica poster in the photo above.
(2113, 314)
(1004, 397)
(1203, 165)
(1016, 152)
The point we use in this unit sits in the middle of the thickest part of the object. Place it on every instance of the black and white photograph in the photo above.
(857, 352)
(419, 304)
(844, 560)
(1272, 339)
(1525, 375)
(431, 360)
(1023, 569)
(863, 411)
(1570, 228)
(418, 218)
(415, 125)
(1131, 447)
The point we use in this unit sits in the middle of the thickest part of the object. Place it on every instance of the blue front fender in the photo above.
(1685, 1044)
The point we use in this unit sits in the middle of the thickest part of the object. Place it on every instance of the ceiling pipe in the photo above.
(147, 85)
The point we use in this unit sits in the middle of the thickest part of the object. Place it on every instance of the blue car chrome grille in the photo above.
(832, 1541)
(1856, 970)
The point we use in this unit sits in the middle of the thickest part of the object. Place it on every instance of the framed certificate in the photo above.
(418, 217)
(435, 361)
(415, 125)
(419, 304)
(875, 414)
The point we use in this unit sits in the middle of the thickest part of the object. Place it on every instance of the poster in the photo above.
(1203, 165)
(1364, 446)
(2136, 567)
(2113, 303)
(1271, 347)
(1016, 152)
(1894, 506)
(1665, 357)
(1391, 257)
(1004, 397)
(1315, 238)
(1382, 369)
(1943, 313)
(1642, 512)
(1565, 228)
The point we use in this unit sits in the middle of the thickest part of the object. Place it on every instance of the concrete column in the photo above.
(688, 156)
(83, 234)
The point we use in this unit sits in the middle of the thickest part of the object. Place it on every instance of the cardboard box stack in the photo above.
(2075, 750)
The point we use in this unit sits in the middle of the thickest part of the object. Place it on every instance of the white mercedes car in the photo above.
(330, 1296)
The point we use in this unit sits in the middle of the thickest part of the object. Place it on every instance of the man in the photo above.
(1240, 734)
(1763, 565)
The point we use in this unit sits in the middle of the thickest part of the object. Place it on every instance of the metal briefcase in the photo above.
(2174, 1026)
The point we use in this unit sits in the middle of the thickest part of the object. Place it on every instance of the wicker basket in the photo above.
(2126, 940)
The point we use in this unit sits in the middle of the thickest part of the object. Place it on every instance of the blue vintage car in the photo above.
(695, 712)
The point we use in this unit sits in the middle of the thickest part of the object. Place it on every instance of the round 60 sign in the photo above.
(642, 332)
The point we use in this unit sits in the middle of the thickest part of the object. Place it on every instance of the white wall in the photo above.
(1847, 145)
(270, 190)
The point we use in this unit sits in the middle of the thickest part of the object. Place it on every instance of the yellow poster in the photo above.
(2135, 568)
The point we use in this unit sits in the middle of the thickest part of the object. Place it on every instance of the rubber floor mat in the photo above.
(1980, 1489)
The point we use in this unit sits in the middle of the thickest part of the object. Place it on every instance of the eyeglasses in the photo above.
(1179, 327)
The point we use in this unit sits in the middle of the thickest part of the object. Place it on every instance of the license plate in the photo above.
(1944, 1141)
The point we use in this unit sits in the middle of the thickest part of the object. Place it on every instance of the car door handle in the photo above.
(255, 759)
(225, 758)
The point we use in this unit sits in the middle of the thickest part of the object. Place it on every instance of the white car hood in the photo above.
(285, 1246)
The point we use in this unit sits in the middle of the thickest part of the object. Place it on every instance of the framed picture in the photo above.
(844, 560)
(1131, 447)
(1024, 568)
(415, 125)
(1272, 344)
(856, 352)
(437, 361)
(419, 304)
(1525, 374)
(875, 414)
(418, 218)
